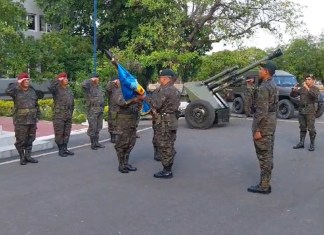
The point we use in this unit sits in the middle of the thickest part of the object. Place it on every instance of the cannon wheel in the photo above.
(200, 114)
(286, 109)
(238, 105)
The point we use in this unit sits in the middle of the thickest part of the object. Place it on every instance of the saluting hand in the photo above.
(257, 135)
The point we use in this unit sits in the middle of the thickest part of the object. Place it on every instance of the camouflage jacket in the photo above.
(249, 91)
(266, 100)
(165, 100)
(63, 100)
(125, 107)
(95, 98)
(308, 99)
(26, 109)
(112, 94)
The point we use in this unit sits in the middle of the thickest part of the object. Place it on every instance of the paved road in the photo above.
(85, 194)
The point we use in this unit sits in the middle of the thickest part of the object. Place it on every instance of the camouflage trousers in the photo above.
(126, 135)
(307, 121)
(62, 130)
(248, 105)
(165, 140)
(112, 122)
(25, 136)
(264, 152)
(95, 124)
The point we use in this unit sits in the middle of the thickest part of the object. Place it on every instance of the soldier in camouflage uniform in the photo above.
(165, 104)
(248, 96)
(26, 115)
(309, 94)
(264, 126)
(95, 105)
(63, 110)
(126, 130)
(157, 155)
(113, 90)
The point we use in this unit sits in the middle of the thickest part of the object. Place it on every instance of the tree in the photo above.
(12, 22)
(301, 56)
(180, 25)
(222, 60)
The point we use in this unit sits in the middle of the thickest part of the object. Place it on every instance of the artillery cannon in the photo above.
(206, 107)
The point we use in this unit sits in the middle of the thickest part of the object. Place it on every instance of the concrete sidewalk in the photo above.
(44, 136)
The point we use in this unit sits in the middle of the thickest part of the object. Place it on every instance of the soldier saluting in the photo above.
(113, 92)
(63, 110)
(26, 115)
(308, 97)
(95, 99)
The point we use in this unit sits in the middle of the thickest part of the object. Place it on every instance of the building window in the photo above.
(42, 24)
(31, 21)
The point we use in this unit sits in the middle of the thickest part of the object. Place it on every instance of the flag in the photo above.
(130, 87)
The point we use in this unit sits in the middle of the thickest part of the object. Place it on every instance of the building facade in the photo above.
(36, 20)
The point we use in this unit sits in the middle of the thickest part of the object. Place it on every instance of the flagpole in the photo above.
(95, 5)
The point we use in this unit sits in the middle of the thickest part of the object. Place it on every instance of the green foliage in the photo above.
(187, 25)
(105, 114)
(304, 55)
(219, 61)
(12, 23)
(79, 118)
(6, 108)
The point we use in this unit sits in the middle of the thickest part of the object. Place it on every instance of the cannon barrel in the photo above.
(227, 84)
(234, 74)
(226, 71)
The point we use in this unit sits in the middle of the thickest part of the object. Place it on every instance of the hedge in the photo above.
(46, 107)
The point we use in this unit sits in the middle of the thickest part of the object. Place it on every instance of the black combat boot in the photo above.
(129, 166)
(66, 151)
(22, 157)
(157, 156)
(61, 150)
(93, 143)
(312, 144)
(122, 168)
(28, 156)
(263, 187)
(98, 145)
(166, 173)
(300, 145)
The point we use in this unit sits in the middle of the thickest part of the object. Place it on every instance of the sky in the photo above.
(313, 19)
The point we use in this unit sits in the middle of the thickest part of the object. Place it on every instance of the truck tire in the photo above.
(200, 114)
(286, 109)
(238, 105)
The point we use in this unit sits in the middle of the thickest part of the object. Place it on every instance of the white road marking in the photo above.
(75, 147)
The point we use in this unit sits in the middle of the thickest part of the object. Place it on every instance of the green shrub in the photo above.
(6, 108)
(105, 114)
(79, 117)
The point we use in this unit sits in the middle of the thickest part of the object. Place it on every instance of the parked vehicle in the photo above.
(286, 105)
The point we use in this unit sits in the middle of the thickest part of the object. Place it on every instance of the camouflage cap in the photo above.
(269, 65)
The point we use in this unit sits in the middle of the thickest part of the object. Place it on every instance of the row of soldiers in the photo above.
(123, 117)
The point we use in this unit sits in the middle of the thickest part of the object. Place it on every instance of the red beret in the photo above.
(61, 75)
(22, 76)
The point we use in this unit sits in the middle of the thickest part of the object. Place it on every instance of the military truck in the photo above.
(206, 106)
(286, 105)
